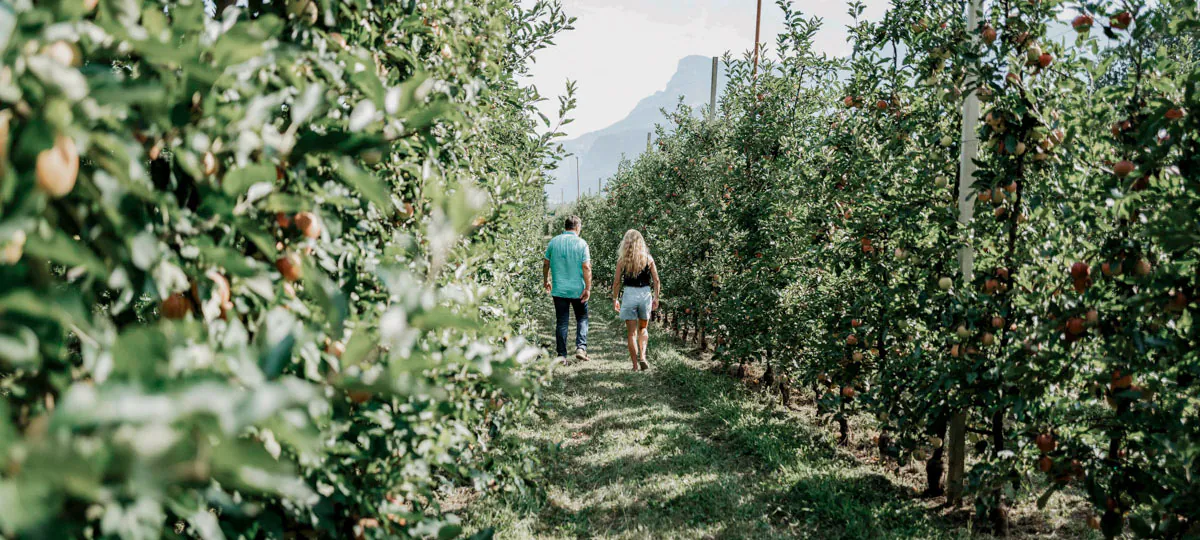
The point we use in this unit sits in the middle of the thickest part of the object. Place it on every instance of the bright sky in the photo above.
(624, 50)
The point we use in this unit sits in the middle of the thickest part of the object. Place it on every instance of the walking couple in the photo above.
(567, 276)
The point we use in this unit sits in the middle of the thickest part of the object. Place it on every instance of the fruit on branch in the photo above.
(1046, 443)
(1120, 381)
(989, 34)
(1123, 168)
(962, 332)
(282, 220)
(290, 266)
(1122, 20)
(1080, 270)
(1045, 464)
(997, 322)
(852, 340)
(58, 167)
(1142, 268)
(1174, 113)
(63, 52)
(988, 339)
(211, 166)
(1082, 23)
(848, 392)
(1045, 60)
(855, 323)
(1033, 53)
(945, 283)
(857, 356)
(849, 101)
(307, 223)
(1075, 326)
(176, 306)
(881, 105)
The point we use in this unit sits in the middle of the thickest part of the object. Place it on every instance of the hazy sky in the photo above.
(624, 50)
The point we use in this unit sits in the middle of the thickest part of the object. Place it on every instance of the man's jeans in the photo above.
(562, 315)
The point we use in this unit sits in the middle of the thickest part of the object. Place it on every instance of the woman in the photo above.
(636, 271)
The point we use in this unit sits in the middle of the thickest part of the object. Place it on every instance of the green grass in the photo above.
(681, 453)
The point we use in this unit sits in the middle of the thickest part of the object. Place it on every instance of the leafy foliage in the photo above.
(813, 225)
(262, 265)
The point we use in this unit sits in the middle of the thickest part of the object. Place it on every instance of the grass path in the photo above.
(678, 452)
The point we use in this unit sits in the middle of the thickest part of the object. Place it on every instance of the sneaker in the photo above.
(562, 360)
(581, 355)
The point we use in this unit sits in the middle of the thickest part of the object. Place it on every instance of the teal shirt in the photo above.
(567, 252)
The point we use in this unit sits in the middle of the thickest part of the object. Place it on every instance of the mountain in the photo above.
(600, 152)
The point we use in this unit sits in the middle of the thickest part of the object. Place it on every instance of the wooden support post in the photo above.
(757, 34)
(969, 146)
(712, 95)
(578, 192)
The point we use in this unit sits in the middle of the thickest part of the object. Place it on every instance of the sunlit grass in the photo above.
(680, 453)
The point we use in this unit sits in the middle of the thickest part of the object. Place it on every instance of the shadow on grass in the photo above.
(681, 453)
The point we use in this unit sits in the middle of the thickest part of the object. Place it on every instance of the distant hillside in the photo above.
(601, 151)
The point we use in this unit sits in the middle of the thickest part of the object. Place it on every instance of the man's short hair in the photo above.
(572, 223)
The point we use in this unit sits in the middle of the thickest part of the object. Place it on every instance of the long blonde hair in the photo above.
(633, 255)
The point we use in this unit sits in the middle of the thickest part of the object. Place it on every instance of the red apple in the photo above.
(1075, 326)
(1082, 23)
(1080, 270)
(989, 34)
(1046, 443)
(1045, 60)
(1123, 168)
(1122, 20)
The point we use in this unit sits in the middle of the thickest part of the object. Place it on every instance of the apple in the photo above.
(290, 266)
(989, 34)
(1174, 114)
(1122, 20)
(954, 350)
(63, 52)
(1080, 270)
(282, 220)
(997, 322)
(1082, 23)
(1046, 443)
(941, 181)
(1123, 168)
(945, 283)
(58, 167)
(1045, 60)
(935, 441)
(1045, 464)
(988, 339)
(1142, 268)
(881, 105)
(857, 356)
(308, 225)
(984, 196)
(962, 332)
(1075, 326)
(1121, 381)
(14, 248)
(1107, 269)
(848, 392)
(1011, 187)
(305, 10)
(211, 166)
(849, 101)
(359, 396)
(856, 323)
(946, 140)
(1092, 317)
(852, 340)
(176, 306)
(1033, 53)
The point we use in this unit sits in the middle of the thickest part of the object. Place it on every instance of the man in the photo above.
(570, 263)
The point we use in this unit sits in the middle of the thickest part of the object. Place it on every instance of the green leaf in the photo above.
(369, 185)
(63, 250)
(238, 181)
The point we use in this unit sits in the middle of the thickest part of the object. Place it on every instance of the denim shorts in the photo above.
(636, 303)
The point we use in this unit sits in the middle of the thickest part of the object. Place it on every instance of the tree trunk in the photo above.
(935, 466)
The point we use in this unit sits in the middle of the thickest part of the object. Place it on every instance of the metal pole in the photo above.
(578, 192)
(969, 145)
(757, 33)
(712, 95)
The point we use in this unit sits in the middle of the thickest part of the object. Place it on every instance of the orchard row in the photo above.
(260, 268)
(1037, 323)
